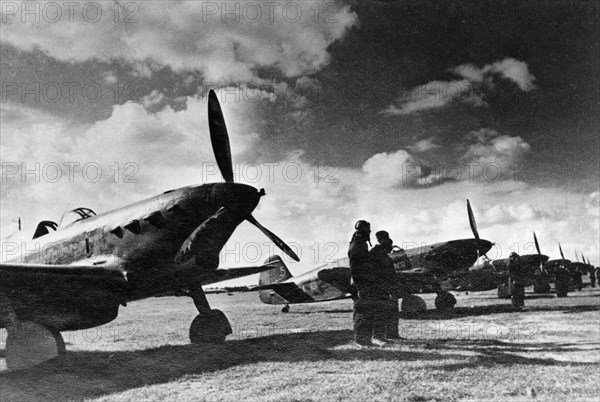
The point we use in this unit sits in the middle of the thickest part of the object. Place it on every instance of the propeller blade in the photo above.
(537, 245)
(472, 220)
(577, 258)
(561, 252)
(278, 242)
(219, 137)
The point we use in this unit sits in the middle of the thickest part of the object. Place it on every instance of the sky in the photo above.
(395, 112)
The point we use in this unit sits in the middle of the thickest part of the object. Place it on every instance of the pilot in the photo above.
(517, 281)
(592, 272)
(576, 277)
(368, 318)
(389, 283)
(562, 279)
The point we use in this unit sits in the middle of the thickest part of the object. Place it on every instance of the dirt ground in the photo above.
(479, 351)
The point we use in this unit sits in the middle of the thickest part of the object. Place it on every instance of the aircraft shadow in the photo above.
(492, 309)
(88, 374)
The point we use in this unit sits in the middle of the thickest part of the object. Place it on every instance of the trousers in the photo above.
(517, 294)
(375, 318)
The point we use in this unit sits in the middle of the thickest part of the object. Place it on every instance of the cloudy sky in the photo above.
(395, 112)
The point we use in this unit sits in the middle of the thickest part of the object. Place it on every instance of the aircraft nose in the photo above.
(240, 198)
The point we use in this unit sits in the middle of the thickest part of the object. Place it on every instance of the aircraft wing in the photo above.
(225, 274)
(11, 271)
(62, 296)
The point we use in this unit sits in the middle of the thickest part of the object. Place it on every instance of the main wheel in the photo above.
(541, 286)
(503, 291)
(285, 309)
(210, 328)
(445, 301)
(30, 343)
(412, 304)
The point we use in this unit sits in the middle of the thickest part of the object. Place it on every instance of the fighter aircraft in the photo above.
(419, 270)
(551, 265)
(493, 274)
(75, 274)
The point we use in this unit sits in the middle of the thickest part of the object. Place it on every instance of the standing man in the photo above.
(562, 279)
(390, 287)
(360, 267)
(592, 273)
(516, 280)
(371, 303)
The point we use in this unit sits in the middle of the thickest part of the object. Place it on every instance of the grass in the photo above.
(480, 351)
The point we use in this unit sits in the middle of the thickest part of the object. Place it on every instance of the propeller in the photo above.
(577, 258)
(219, 137)
(222, 150)
(474, 226)
(537, 247)
(274, 238)
(472, 220)
(561, 252)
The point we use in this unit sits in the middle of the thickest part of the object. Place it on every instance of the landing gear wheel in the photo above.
(541, 287)
(412, 304)
(286, 309)
(210, 327)
(503, 291)
(445, 301)
(29, 344)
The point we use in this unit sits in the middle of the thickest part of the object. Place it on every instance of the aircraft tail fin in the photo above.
(273, 278)
(277, 274)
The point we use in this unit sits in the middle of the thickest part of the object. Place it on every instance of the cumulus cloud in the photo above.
(470, 89)
(310, 206)
(482, 155)
(399, 169)
(187, 36)
(514, 70)
(488, 147)
(427, 144)
(130, 155)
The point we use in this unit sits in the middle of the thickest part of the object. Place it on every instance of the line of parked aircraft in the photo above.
(438, 268)
(75, 274)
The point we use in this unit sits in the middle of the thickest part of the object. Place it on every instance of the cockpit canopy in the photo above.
(43, 228)
(75, 215)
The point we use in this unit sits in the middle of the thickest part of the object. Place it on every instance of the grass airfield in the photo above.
(479, 351)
